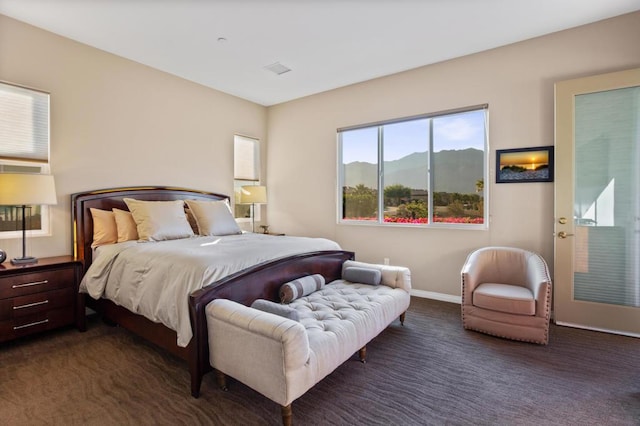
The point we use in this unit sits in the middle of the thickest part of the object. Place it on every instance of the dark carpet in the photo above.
(429, 372)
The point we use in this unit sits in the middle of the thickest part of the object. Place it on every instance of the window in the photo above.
(24, 148)
(442, 154)
(246, 171)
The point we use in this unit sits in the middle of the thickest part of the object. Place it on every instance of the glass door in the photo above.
(597, 203)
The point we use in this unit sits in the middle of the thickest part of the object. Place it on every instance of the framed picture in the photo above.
(524, 165)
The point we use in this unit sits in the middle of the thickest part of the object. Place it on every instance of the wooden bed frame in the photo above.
(261, 281)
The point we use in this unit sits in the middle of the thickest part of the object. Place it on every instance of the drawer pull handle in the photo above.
(31, 324)
(30, 284)
(29, 305)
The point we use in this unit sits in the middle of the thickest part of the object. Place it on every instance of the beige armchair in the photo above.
(506, 292)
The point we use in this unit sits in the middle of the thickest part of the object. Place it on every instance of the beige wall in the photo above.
(115, 122)
(517, 83)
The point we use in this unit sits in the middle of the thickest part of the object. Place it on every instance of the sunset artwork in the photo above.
(528, 160)
(525, 165)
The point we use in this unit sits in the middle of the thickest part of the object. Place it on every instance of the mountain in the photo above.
(455, 171)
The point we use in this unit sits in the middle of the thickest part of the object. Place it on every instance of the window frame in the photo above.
(246, 180)
(430, 166)
(23, 163)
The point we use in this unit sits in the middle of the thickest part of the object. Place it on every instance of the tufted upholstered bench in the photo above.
(282, 358)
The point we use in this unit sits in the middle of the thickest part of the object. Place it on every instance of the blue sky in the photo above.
(458, 131)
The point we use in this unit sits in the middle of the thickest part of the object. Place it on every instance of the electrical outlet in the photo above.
(386, 260)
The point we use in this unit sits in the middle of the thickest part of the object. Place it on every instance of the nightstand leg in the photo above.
(81, 315)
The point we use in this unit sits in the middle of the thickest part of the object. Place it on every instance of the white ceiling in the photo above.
(326, 43)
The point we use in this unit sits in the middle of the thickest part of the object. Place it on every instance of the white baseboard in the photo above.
(602, 330)
(437, 296)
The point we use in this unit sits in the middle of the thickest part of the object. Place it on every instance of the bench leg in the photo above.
(286, 415)
(222, 380)
(362, 354)
(402, 315)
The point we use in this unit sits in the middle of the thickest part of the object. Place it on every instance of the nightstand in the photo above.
(38, 297)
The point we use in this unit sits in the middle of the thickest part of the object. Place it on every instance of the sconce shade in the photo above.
(253, 194)
(24, 189)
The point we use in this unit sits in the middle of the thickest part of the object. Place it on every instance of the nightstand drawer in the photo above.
(40, 321)
(36, 282)
(35, 303)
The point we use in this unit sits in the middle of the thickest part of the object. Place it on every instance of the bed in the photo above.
(243, 283)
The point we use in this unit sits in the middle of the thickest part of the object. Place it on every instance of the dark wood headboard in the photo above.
(107, 199)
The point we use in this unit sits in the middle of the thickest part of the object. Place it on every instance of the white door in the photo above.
(597, 203)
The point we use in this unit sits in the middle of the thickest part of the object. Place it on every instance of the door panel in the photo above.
(597, 203)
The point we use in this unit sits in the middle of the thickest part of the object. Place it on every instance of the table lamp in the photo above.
(253, 194)
(23, 190)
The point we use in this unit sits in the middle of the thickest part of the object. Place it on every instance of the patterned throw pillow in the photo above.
(301, 287)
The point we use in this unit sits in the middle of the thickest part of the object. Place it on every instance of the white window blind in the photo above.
(24, 124)
(24, 148)
(607, 197)
(246, 158)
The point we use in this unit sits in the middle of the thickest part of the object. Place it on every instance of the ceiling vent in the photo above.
(277, 68)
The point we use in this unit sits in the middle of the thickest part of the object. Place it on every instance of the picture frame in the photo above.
(522, 165)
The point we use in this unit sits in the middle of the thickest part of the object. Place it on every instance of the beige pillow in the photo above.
(159, 220)
(192, 221)
(127, 229)
(213, 217)
(104, 227)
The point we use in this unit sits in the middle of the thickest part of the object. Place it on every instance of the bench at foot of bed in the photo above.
(282, 358)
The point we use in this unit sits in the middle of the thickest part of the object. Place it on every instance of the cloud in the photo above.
(458, 128)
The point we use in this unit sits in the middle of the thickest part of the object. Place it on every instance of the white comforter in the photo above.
(155, 279)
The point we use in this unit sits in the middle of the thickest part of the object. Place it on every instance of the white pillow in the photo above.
(159, 220)
(213, 217)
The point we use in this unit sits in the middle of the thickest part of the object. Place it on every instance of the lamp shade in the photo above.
(25, 189)
(253, 194)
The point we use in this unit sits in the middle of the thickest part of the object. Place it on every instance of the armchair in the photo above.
(506, 292)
